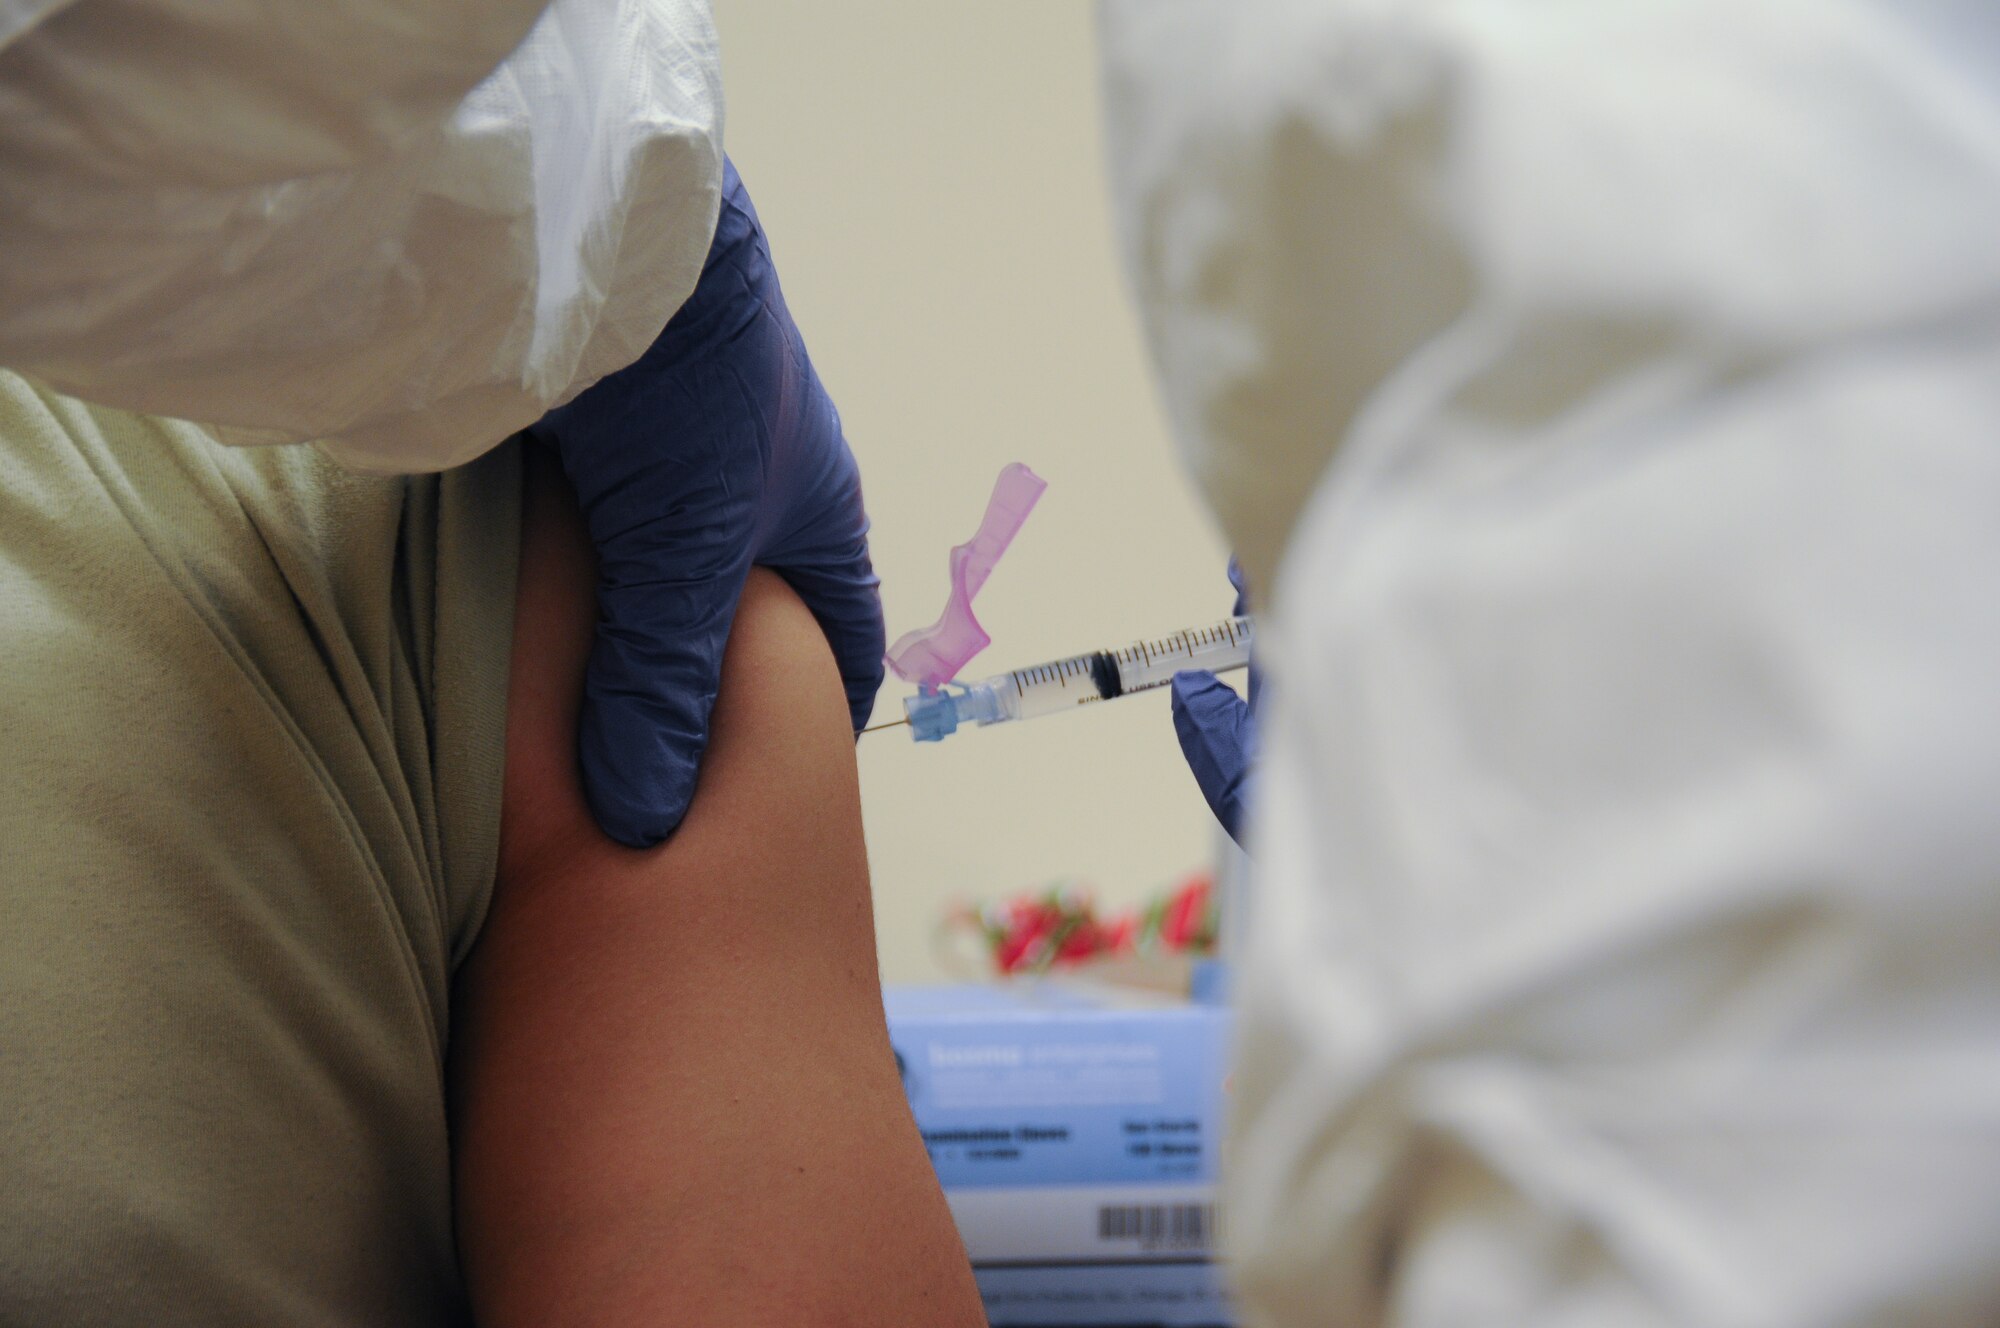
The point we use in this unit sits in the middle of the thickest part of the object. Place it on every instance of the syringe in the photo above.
(1063, 684)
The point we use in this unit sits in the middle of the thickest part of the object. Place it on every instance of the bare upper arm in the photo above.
(673, 1090)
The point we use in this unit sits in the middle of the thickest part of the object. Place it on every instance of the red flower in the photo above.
(1121, 933)
(1186, 921)
(1085, 939)
(1060, 926)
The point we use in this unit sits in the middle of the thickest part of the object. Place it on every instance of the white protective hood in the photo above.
(340, 220)
(1612, 392)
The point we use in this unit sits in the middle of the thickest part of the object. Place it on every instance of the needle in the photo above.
(890, 725)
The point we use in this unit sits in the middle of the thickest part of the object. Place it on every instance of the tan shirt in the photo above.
(251, 734)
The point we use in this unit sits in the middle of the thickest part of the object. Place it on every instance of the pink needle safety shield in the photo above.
(932, 656)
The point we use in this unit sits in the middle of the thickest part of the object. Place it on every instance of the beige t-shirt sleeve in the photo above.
(252, 710)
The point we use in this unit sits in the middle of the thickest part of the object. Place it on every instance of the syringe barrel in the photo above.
(1217, 648)
(1103, 675)
(1063, 684)
(1060, 684)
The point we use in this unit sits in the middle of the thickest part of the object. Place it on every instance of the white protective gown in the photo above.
(349, 220)
(1613, 391)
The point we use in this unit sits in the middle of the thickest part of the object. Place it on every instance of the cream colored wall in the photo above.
(929, 175)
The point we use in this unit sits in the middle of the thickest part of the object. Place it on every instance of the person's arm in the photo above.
(674, 1096)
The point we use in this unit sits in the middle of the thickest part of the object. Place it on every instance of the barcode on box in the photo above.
(1158, 1226)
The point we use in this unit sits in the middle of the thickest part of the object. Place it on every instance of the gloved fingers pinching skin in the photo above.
(821, 546)
(670, 570)
(716, 449)
(844, 597)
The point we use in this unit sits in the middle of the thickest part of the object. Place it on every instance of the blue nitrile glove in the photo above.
(1218, 731)
(717, 449)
